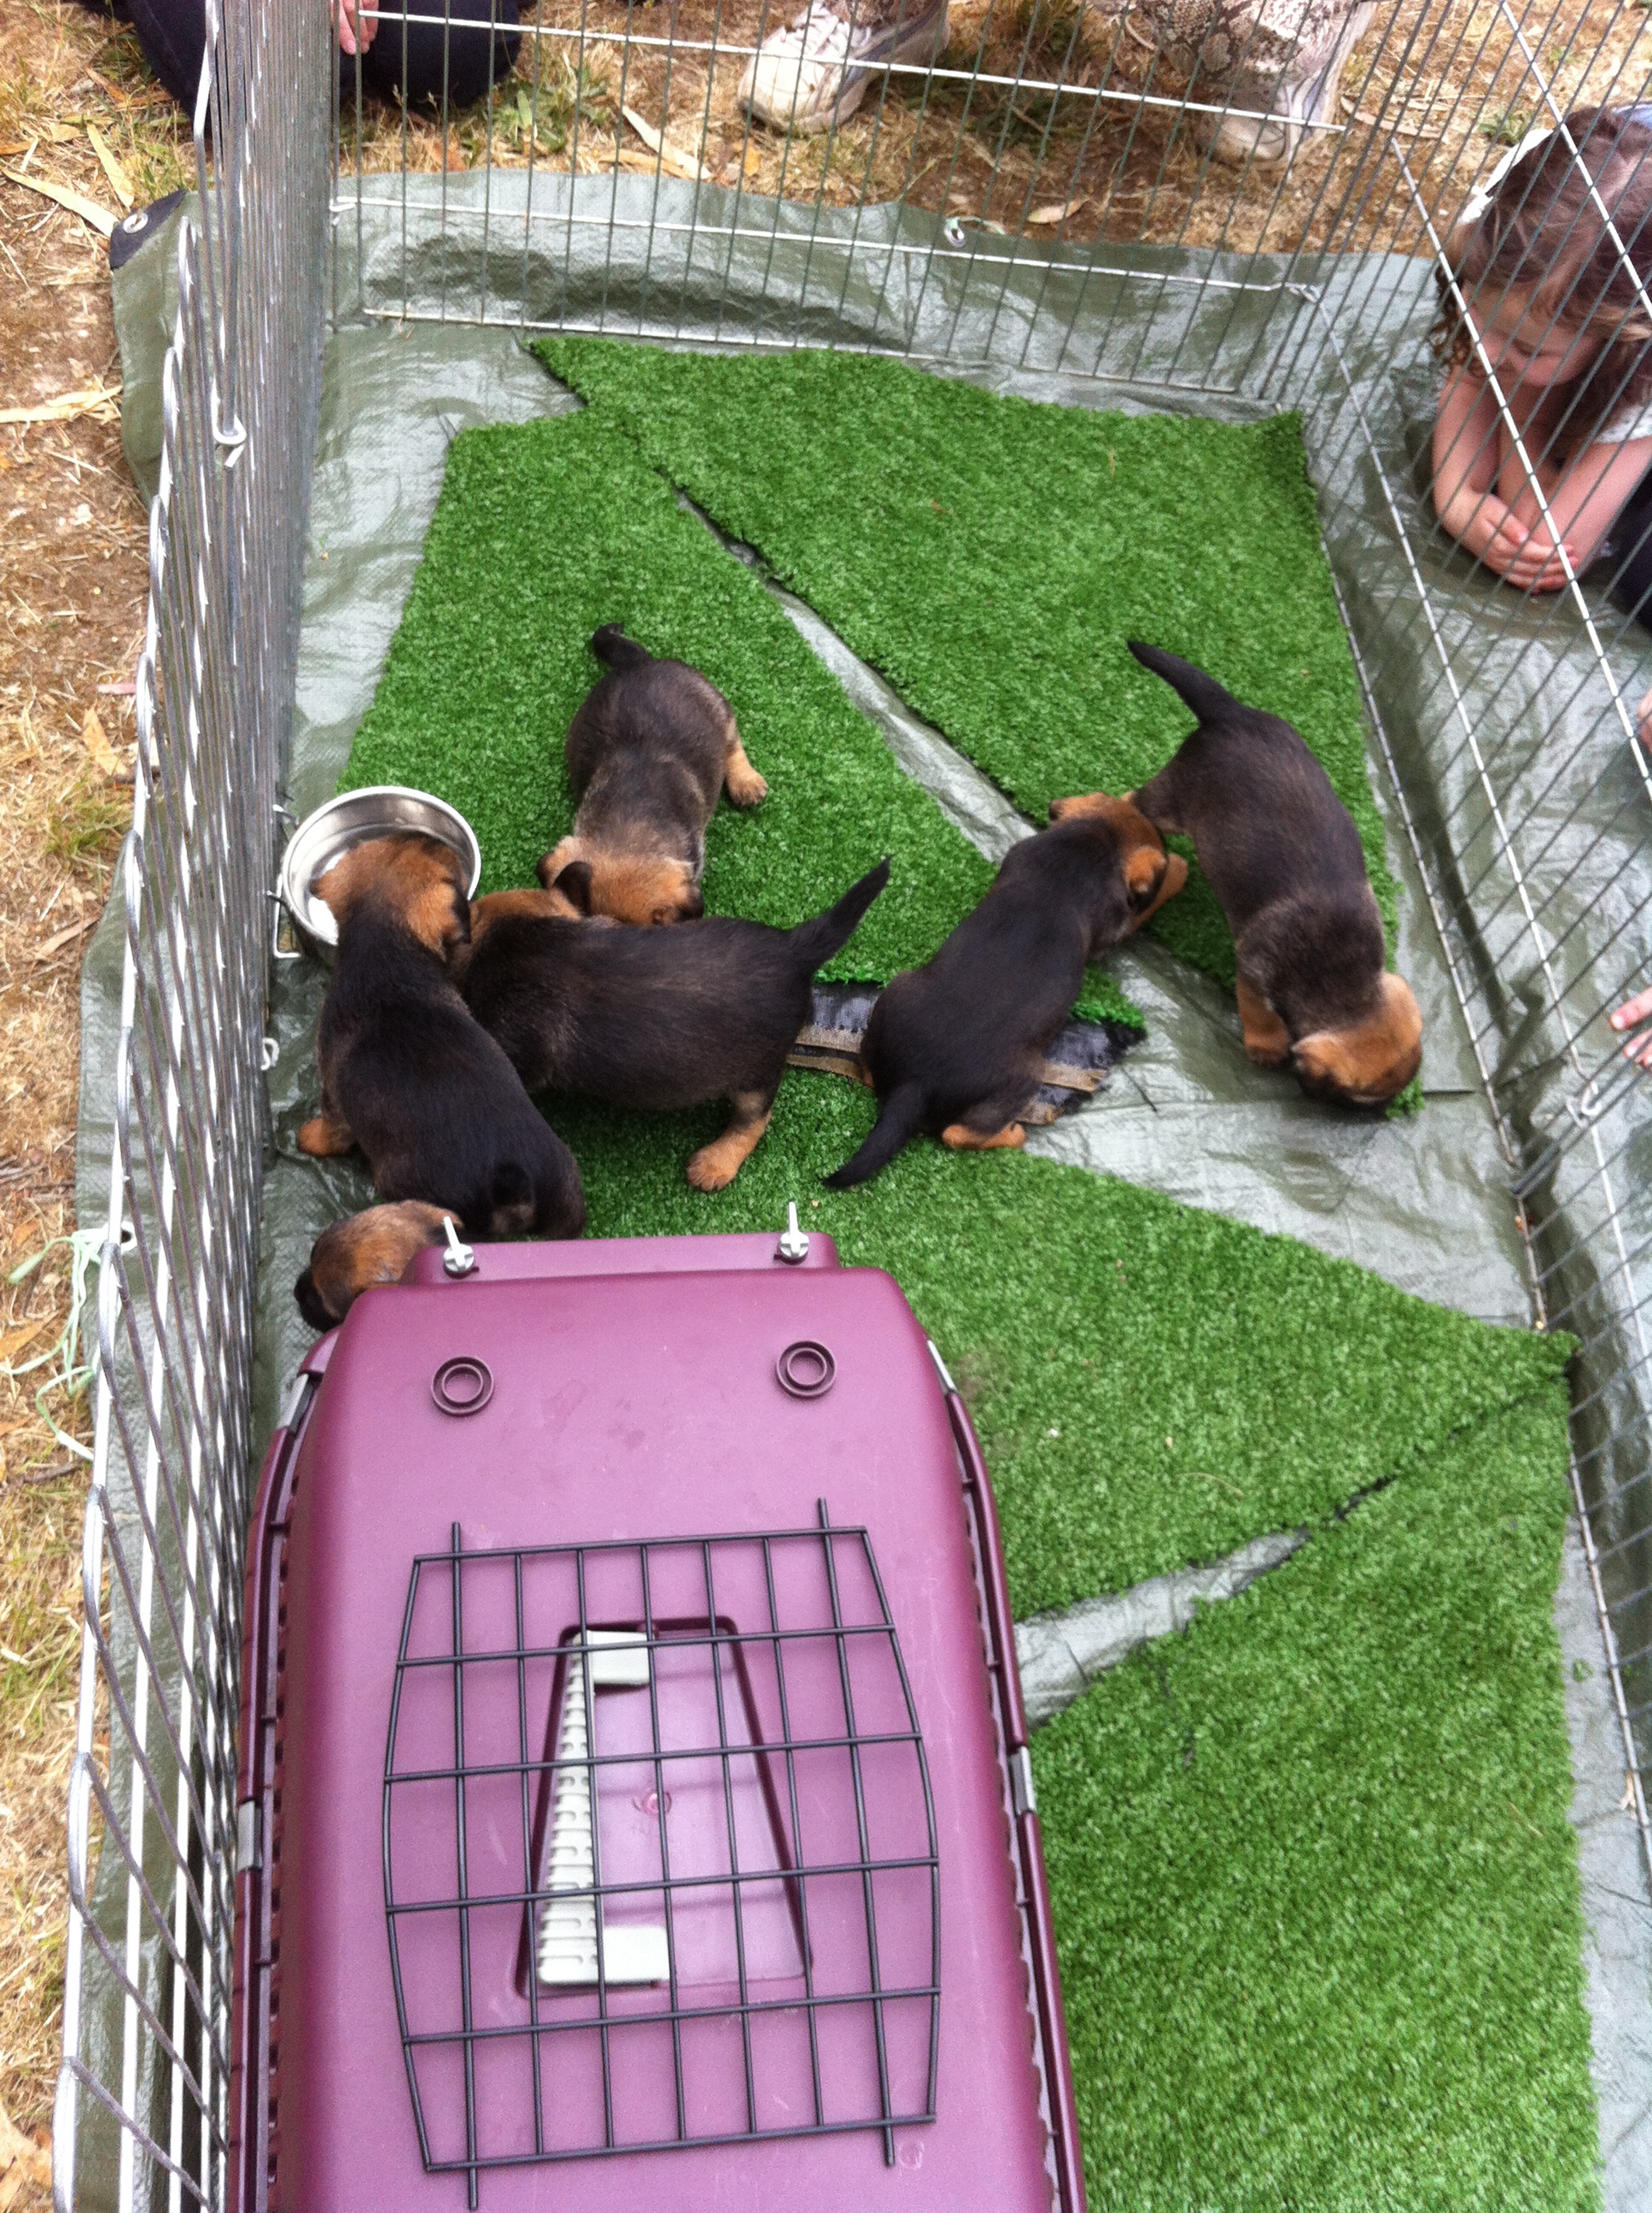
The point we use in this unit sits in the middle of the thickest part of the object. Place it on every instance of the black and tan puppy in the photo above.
(408, 1073)
(654, 1019)
(955, 1048)
(650, 748)
(349, 1256)
(1284, 859)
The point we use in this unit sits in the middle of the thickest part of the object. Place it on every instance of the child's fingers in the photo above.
(1541, 570)
(1630, 1016)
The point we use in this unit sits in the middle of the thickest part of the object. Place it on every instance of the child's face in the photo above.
(1525, 344)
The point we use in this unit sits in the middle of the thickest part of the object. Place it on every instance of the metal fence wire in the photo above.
(1232, 204)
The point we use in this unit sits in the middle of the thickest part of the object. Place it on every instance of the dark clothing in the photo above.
(406, 60)
(1629, 556)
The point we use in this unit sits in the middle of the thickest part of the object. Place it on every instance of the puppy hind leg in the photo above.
(716, 1165)
(993, 1123)
(963, 1139)
(740, 780)
(327, 1134)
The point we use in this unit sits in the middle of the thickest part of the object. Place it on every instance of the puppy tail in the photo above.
(814, 942)
(899, 1120)
(615, 650)
(1200, 692)
(513, 1204)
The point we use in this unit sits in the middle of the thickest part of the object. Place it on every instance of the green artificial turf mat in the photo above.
(1152, 1384)
(546, 530)
(1311, 1962)
(991, 555)
(1316, 1895)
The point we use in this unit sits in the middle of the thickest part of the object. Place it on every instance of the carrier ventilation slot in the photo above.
(567, 1953)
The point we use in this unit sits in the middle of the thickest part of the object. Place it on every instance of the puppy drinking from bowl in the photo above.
(654, 1019)
(408, 1073)
(957, 1047)
(1284, 859)
(648, 751)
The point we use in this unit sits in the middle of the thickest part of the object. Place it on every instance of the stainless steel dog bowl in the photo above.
(380, 810)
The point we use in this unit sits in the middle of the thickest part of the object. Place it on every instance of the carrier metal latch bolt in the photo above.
(793, 1242)
(458, 1259)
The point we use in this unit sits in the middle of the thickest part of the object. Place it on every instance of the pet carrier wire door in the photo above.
(728, 1835)
(923, 227)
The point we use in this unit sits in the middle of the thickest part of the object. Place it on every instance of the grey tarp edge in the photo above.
(1424, 1201)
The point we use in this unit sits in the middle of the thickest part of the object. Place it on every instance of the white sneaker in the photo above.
(817, 70)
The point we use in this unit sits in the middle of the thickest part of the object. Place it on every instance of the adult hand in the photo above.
(1631, 1014)
(358, 25)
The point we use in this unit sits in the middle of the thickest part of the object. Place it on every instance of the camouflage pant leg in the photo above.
(1282, 58)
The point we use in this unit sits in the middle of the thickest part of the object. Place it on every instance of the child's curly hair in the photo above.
(1542, 229)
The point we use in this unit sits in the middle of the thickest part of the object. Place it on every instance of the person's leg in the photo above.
(173, 34)
(407, 60)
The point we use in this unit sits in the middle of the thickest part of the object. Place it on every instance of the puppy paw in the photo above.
(744, 786)
(1266, 1056)
(710, 1169)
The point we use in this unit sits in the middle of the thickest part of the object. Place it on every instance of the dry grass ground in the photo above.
(1074, 163)
(73, 577)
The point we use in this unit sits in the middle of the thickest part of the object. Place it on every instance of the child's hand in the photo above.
(1630, 1016)
(1528, 559)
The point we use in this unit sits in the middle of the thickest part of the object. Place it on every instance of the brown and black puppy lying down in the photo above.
(1284, 859)
(349, 1256)
(654, 1019)
(955, 1048)
(650, 748)
(408, 1073)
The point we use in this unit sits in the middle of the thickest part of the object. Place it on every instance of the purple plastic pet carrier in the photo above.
(635, 1805)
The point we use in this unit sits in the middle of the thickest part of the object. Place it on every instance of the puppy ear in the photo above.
(574, 882)
(309, 1303)
(551, 864)
(1144, 872)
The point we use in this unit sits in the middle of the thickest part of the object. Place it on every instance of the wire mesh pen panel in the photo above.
(1241, 206)
(660, 1854)
(141, 2110)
